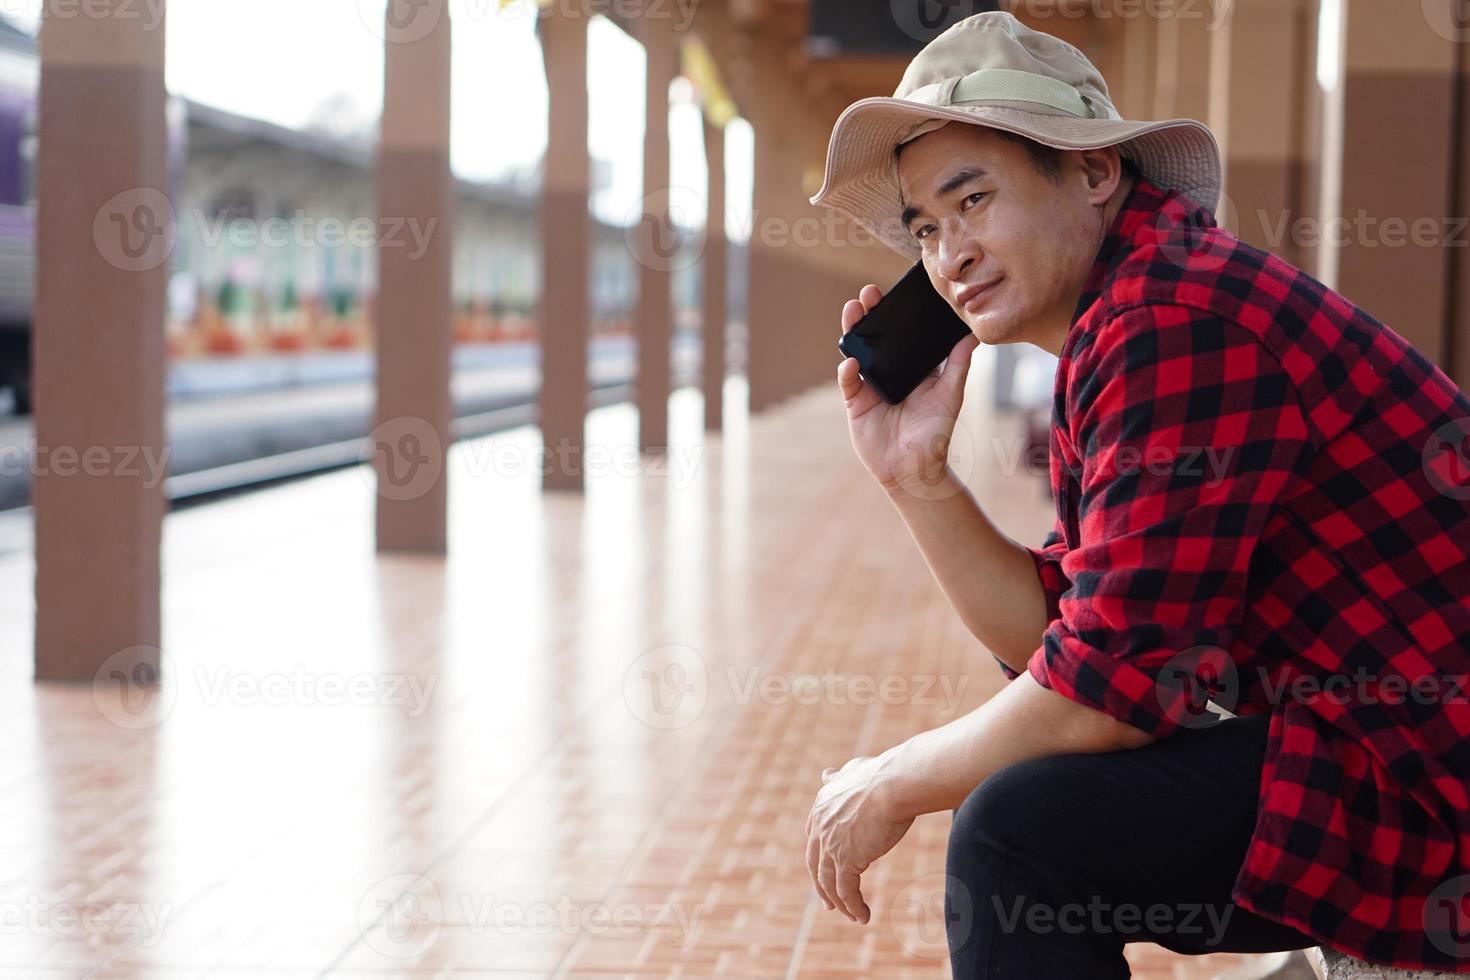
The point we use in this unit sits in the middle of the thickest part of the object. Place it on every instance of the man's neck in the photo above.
(1054, 338)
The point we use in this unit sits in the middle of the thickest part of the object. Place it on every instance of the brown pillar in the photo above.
(1389, 135)
(655, 236)
(1140, 36)
(804, 261)
(716, 279)
(1306, 146)
(1183, 59)
(1457, 358)
(566, 245)
(1105, 47)
(768, 299)
(104, 237)
(415, 303)
(1258, 112)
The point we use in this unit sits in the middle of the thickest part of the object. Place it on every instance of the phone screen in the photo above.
(911, 330)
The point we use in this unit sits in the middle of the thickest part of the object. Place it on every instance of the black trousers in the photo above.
(1056, 863)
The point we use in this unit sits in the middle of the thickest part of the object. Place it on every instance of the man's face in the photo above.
(984, 214)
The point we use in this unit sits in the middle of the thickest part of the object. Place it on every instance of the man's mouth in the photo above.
(971, 297)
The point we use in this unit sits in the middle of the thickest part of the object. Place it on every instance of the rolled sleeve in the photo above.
(1054, 581)
(1190, 435)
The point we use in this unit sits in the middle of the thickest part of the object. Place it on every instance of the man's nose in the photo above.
(957, 252)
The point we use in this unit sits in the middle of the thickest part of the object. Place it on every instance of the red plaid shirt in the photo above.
(1263, 499)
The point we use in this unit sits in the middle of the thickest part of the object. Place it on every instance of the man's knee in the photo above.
(1002, 815)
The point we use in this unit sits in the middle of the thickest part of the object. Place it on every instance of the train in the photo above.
(276, 235)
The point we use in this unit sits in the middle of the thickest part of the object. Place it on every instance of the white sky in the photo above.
(279, 59)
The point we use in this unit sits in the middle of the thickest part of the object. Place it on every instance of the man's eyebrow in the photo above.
(955, 180)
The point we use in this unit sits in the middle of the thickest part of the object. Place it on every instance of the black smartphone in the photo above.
(904, 337)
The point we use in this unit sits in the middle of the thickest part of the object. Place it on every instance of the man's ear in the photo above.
(1104, 170)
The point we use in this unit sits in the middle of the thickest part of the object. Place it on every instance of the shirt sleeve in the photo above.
(1048, 559)
(1190, 435)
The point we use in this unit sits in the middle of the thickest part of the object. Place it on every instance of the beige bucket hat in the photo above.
(991, 70)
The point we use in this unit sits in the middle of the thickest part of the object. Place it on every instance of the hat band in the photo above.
(1007, 85)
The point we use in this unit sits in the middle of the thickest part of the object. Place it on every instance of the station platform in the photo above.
(582, 744)
(244, 421)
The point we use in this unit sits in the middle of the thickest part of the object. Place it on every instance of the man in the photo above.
(1261, 500)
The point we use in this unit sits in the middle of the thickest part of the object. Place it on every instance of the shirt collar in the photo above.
(1148, 214)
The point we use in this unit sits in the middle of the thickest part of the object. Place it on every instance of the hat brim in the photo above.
(861, 179)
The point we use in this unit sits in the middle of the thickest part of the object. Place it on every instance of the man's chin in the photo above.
(993, 328)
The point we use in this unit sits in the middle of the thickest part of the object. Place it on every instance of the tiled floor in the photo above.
(583, 745)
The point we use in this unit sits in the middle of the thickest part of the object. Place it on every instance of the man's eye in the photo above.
(920, 233)
(968, 197)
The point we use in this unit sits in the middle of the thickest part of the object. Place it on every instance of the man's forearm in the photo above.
(936, 770)
(990, 580)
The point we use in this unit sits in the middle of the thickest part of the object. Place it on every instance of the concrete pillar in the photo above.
(804, 262)
(1139, 33)
(1105, 48)
(656, 239)
(566, 245)
(1457, 359)
(1183, 59)
(105, 232)
(770, 298)
(1306, 147)
(1387, 162)
(763, 361)
(1257, 111)
(716, 279)
(415, 302)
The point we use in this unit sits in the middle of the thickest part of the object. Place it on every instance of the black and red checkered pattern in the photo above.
(1246, 464)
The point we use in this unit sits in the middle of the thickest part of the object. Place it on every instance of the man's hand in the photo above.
(904, 446)
(851, 825)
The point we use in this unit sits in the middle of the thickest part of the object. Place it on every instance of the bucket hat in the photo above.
(992, 70)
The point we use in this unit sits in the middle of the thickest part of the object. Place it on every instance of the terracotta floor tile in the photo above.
(582, 745)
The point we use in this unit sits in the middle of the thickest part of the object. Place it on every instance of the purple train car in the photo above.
(18, 82)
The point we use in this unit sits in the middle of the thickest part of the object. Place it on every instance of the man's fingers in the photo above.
(813, 862)
(855, 309)
(849, 379)
(827, 876)
(849, 890)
